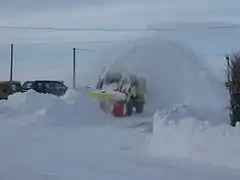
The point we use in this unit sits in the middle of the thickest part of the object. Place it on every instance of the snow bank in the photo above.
(191, 137)
(73, 108)
(25, 105)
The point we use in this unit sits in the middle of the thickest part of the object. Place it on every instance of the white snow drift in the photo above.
(181, 134)
(31, 107)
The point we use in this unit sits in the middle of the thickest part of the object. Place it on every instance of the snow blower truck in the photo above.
(119, 94)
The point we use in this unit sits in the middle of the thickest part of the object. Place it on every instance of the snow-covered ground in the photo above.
(43, 137)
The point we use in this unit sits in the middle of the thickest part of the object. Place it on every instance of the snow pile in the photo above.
(192, 137)
(25, 105)
(73, 108)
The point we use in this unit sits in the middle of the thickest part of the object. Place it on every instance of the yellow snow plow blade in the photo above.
(106, 95)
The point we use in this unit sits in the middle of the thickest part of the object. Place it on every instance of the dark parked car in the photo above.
(46, 87)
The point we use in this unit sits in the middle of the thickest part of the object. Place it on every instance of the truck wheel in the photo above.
(139, 107)
(129, 108)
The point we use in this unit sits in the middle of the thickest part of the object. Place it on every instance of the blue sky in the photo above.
(106, 14)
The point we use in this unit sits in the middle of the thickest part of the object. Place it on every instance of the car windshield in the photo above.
(16, 87)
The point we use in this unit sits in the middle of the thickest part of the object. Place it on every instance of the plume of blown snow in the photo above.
(175, 74)
(195, 140)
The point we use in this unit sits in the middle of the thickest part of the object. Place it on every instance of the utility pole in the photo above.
(74, 68)
(74, 65)
(11, 64)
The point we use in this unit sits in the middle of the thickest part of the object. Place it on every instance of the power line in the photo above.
(210, 55)
(233, 26)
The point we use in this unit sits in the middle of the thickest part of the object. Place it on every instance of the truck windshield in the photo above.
(113, 78)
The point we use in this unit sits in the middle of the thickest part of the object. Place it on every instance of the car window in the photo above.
(48, 86)
(28, 85)
(39, 84)
(14, 87)
(58, 86)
